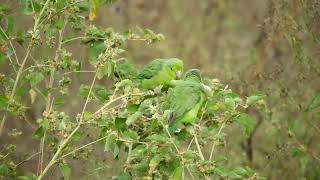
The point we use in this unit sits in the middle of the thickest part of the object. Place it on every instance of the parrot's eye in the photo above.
(171, 68)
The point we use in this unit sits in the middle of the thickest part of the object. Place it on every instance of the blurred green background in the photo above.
(268, 46)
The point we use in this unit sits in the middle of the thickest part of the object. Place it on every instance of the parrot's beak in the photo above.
(178, 74)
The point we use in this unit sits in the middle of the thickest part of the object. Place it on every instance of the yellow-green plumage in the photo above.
(160, 72)
(186, 99)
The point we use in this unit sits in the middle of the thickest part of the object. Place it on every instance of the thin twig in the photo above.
(14, 50)
(27, 159)
(214, 143)
(99, 111)
(50, 98)
(198, 146)
(84, 146)
(66, 141)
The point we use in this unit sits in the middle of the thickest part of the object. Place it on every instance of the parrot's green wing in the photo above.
(151, 69)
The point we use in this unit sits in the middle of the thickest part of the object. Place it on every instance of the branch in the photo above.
(66, 141)
(13, 92)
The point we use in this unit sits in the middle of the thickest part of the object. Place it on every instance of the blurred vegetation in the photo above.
(270, 48)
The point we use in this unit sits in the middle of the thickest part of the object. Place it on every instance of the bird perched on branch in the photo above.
(160, 72)
(186, 99)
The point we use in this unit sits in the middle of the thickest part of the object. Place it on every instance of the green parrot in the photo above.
(160, 72)
(186, 99)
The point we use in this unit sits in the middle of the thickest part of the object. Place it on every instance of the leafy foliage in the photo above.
(130, 123)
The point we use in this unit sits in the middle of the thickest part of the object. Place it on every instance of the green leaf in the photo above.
(102, 93)
(2, 58)
(21, 36)
(252, 100)
(87, 116)
(4, 170)
(154, 162)
(59, 100)
(110, 142)
(141, 168)
(177, 174)
(35, 78)
(139, 151)
(59, 24)
(130, 135)
(227, 173)
(94, 51)
(3, 102)
(132, 118)
(124, 176)
(110, 68)
(161, 138)
(39, 133)
(246, 122)
(10, 25)
(30, 177)
(77, 136)
(84, 91)
(25, 7)
(132, 108)
(120, 123)
(102, 71)
(314, 103)
(105, 69)
(295, 152)
(66, 171)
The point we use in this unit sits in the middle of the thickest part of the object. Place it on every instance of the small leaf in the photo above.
(130, 135)
(102, 93)
(246, 122)
(110, 142)
(102, 70)
(110, 68)
(25, 7)
(59, 24)
(39, 133)
(84, 91)
(177, 174)
(59, 100)
(35, 78)
(120, 124)
(94, 51)
(66, 171)
(252, 100)
(30, 177)
(124, 176)
(315, 102)
(2, 58)
(141, 168)
(87, 116)
(4, 170)
(138, 151)
(10, 24)
(154, 162)
(132, 118)
(3, 102)
(161, 138)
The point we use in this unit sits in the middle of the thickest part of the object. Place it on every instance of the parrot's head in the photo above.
(175, 65)
(193, 75)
